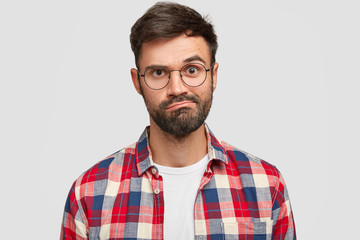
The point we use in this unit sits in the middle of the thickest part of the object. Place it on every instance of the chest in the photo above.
(225, 206)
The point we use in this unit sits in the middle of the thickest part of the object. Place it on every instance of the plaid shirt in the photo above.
(240, 197)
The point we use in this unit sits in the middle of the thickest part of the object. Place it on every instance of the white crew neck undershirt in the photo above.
(180, 189)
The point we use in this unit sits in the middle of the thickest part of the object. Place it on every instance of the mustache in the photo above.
(180, 98)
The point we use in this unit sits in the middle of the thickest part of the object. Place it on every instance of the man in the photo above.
(178, 181)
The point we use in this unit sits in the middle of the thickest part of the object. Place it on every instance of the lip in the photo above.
(178, 105)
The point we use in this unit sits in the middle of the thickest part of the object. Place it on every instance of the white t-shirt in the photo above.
(180, 190)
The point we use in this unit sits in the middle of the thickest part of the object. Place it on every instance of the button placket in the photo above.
(155, 181)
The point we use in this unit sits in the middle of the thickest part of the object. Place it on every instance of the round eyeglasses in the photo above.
(158, 77)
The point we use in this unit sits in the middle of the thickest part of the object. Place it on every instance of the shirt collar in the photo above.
(143, 154)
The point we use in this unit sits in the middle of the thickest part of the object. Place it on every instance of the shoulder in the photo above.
(246, 160)
(256, 171)
(109, 169)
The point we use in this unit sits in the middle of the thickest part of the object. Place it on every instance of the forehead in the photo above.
(173, 52)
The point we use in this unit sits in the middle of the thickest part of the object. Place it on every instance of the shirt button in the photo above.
(153, 170)
(157, 191)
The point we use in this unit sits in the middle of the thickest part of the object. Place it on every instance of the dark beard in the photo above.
(183, 121)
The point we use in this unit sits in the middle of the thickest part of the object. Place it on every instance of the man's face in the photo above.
(177, 109)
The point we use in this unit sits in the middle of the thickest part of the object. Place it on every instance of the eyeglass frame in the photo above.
(206, 70)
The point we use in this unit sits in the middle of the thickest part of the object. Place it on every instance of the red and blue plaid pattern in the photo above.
(121, 197)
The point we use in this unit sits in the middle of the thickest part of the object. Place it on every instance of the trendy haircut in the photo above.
(166, 20)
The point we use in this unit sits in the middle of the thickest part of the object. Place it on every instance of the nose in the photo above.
(176, 85)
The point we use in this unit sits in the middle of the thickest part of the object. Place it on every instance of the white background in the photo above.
(287, 92)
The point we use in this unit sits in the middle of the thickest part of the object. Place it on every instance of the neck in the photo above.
(173, 151)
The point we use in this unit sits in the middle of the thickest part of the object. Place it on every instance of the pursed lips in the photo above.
(178, 105)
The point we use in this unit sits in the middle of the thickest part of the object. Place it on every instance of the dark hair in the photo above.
(166, 20)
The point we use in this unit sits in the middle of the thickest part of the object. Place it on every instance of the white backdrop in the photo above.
(287, 92)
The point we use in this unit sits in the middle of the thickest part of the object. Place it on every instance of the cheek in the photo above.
(152, 99)
(205, 90)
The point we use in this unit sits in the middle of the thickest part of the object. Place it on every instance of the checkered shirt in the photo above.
(240, 197)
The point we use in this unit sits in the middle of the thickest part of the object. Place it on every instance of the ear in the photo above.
(215, 71)
(136, 80)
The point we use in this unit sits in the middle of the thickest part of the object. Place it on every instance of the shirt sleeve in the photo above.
(74, 225)
(282, 215)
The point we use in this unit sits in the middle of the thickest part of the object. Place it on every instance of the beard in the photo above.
(183, 121)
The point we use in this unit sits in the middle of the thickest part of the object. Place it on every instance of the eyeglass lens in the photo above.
(193, 74)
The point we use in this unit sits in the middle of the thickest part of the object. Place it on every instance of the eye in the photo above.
(191, 70)
(158, 73)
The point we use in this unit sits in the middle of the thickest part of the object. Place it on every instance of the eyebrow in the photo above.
(156, 66)
(194, 58)
(187, 60)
